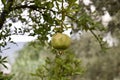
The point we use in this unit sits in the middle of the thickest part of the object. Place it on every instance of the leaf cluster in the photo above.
(5, 77)
(3, 60)
(61, 67)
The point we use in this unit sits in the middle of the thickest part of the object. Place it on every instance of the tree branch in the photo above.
(34, 7)
(9, 8)
(5, 12)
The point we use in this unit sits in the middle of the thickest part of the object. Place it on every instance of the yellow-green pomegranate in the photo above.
(60, 41)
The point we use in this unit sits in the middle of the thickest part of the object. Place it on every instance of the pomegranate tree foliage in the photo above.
(41, 17)
(41, 63)
(45, 17)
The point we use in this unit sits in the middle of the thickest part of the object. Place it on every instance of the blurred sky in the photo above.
(10, 51)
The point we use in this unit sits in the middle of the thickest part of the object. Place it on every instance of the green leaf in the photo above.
(3, 1)
(71, 1)
(4, 65)
(49, 5)
(0, 57)
(4, 58)
(47, 17)
(38, 3)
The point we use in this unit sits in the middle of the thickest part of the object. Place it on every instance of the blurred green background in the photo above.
(98, 64)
